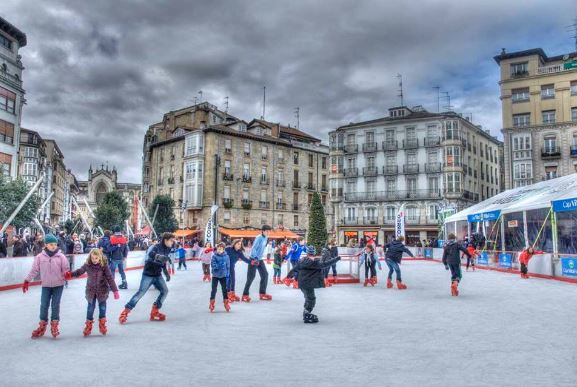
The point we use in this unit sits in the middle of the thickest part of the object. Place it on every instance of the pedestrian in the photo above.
(77, 247)
(370, 259)
(220, 265)
(311, 273)
(276, 265)
(334, 250)
(181, 253)
(18, 246)
(206, 258)
(256, 263)
(98, 284)
(524, 259)
(154, 266)
(298, 248)
(452, 261)
(473, 254)
(393, 257)
(235, 253)
(52, 266)
(118, 251)
(38, 244)
(419, 249)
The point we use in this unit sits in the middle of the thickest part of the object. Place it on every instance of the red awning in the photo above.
(274, 234)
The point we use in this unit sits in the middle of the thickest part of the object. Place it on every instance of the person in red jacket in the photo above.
(471, 259)
(524, 259)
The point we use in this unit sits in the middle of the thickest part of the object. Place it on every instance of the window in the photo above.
(410, 134)
(247, 148)
(550, 144)
(296, 158)
(521, 146)
(227, 145)
(520, 120)
(411, 158)
(324, 162)
(371, 162)
(245, 194)
(280, 218)
(226, 192)
(390, 136)
(311, 161)
(433, 212)
(246, 170)
(279, 198)
(433, 184)
(451, 130)
(523, 171)
(453, 156)
(296, 220)
(351, 139)
(264, 153)
(263, 196)
(263, 175)
(391, 185)
(411, 185)
(547, 91)
(370, 137)
(193, 145)
(226, 217)
(520, 95)
(6, 132)
(7, 100)
(5, 42)
(454, 182)
(371, 186)
(227, 170)
(548, 116)
(550, 173)
(519, 69)
(194, 183)
(574, 114)
(574, 88)
(390, 213)
(351, 186)
(412, 213)
(280, 154)
(246, 218)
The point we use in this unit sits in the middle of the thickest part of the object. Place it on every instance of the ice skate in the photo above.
(123, 285)
(245, 298)
(124, 316)
(455, 288)
(295, 284)
(265, 297)
(401, 286)
(54, 328)
(373, 281)
(88, 328)
(211, 306)
(233, 297)
(366, 282)
(287, 281)
(102, 326)
(389, 283)
(39, 332)
(227, 305)
(309, 318)
(334, 279)
(155, 314)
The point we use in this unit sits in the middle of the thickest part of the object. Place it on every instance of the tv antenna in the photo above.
(263, 102)
(226, 105)
(447, 97)
(573, 28)
(200, 95)
(297, 115)
(438, 88)
(400, 95)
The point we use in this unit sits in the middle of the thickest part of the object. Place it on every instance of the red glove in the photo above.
(116, 295)
(25, 286)
(68, 276)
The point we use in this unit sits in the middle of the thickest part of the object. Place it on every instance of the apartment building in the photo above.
(57, 181)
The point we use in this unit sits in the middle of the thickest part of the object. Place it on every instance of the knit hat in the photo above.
(311, 250)
(116, 229)
(49, 238)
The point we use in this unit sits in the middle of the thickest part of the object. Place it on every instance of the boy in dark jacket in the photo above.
(393, 257)
(118, 251)
(220, 265)
(235, 253)
(311, 277)
(452, 261)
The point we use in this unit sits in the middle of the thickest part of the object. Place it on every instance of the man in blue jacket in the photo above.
(393, 257)
(256, 263)
(294, 255)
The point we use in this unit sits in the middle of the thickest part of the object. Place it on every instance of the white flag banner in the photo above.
(208, 232)
(400, 223)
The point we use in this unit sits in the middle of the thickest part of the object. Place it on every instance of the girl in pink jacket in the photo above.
(52, 266)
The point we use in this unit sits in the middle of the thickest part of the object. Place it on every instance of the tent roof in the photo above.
(274, 234)
(185, 233)
(531, 197)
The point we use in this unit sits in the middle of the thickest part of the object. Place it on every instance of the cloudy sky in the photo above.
(99, 72)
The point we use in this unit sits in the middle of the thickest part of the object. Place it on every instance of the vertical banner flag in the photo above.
(400, 223)
(209, 232)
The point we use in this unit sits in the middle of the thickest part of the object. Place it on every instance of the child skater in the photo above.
(220, 265)
(277, 264)
(294, 255)
(524, 259)
(393, 257)
(98, 285)
(371, 260)
(181, 254)
(311, 276)
(473, 254)
(52, 266)
(452, 261)
(235, 253)
(205, 258)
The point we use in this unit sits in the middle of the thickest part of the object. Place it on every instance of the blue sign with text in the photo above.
(428, 252)
(569, 266)
(564, 205)
(491, 215)
(483, 258)
(505, 260)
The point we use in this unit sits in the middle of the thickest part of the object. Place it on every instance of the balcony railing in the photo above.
(246, 204)
(246, 179)
(295, 207)
(370, 171)
(311, 187)
(411, 143)
(264, 180)
(370, 147)
(390, 145)
(350, 221)
(411, 168)
(280, 183)
(335, 148)
(573, 150)
(390, 170)
(227, 202)
(433, 167)
(380, 196)
(324, 188)
(296, 185)
(351, 172)
(280, 206)
(262, 204)
(550, 152)
(227, 176)
(351, 148)
(370, 220)
(432, 141)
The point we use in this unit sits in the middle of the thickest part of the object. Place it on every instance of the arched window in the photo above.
(101, 190)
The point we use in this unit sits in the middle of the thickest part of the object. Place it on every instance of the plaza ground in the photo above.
(501, 331)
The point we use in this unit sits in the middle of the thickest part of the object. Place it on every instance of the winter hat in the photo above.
(117, 229)
(49, 238)
(266, 227)
(311, 250)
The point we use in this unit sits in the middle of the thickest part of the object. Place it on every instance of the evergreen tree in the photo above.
(112, 211)
(68, 226)
(165, 220)
(317, 233)
(11, 193)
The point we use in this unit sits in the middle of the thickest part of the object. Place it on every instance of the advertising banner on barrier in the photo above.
(505, 260)
(428, 252)
(569, 266)
(483, 258)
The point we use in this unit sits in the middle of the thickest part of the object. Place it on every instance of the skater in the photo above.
(205, 258)
(118, 251)
(311, 271)
(181, 253)
(154, 265)
(473, 254)
(452, 261)
(220, 265)
(393, 256)
(294, 255)
(52, 266)
(235, 253)
(524, 259)
(256, 263)
(98, 285)
(334, 250)
(371, 260)
(277, 264)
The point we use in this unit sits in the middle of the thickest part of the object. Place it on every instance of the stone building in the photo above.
(32, 161)
(539, 105)
(257, 172)
(57, 181)
(428, 162)
(11, 96)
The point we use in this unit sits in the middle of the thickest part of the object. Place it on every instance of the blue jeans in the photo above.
(145, 283)
(230, 284)
(92, 306)
(50, 295)
(120, 265)
(393, 266)
(276, 272)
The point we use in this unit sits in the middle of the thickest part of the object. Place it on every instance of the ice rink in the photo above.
(501, 331)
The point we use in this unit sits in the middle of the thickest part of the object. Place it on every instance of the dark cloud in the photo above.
(99, 72)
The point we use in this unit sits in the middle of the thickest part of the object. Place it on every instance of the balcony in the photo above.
(311, 187)
(432, 141)
(263, 157)
(351, 172)
(171, 180)
(350, 221)
(370, 147)
(433, 167)
(382, 196)
(227, 202)
(519, 74)
(389, 170)
(264, 180)
(370, 220)
(550, 152)
(246, 204)
(410, 168)
(412, 143)
(280, 206)
(263, 205)
(324, 188)
(227, 176)
(351, 148)
(280, 183)
(370, 171)
(573, 150)
(337, 148)
(228, 151)
(390, 145)
(296, 185)
(246, 179)
(295, 207)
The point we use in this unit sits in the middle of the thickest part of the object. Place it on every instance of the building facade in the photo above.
(11, 96)
(258, 172)
(426, 162)
(32, 162)
(539, 105)
(56, 182)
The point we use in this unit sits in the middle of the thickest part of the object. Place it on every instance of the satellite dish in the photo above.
(566, 56)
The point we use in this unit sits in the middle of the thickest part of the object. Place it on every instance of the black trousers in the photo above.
(251, 273)
(524, 268)
(310, 299)
(455, 271)
(370, 266)
(470, 261)
(215, 282)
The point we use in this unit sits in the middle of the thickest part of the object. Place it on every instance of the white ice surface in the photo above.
(501, 331)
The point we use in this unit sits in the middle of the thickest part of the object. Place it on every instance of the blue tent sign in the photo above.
(428, 252)
(491, 215)
(505, 260)
(483, 258)
(569, 266)
(564, 205)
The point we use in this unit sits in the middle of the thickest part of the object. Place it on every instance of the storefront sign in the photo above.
(505, 260)
(569, 266)
(570, 65)
(513, 223)
(491, 215)
(564, 205)
(483, 258)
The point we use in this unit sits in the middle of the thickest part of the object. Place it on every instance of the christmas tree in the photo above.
(317, 231)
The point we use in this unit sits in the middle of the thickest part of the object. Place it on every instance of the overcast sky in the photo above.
(99, 72)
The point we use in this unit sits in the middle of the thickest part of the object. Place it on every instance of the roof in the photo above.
(185, 233)
(55, 146)
(532, 197)
(13, 31)
(290, 131)
(533, 51)
(274, 234)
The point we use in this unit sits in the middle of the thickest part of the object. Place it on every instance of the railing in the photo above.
(262, 204)
(337, 147)
(370, 171)
(432, 141)
(227, 176)
(311, 187)
(370, 147)
(171, 180)
(295, 207)
(379, 196)
(411, 168)
(520, 74)
(349, 221)
(390, 145)
(280, 183)
(9, 78)
(280, 206)
(246, 204)
(296, 185)
(324, 188)
(433, 167)
(390, 170)
(573, 150)
(351, 148)
(411, 143)
(550, 152)
(227, 202)
(246, 179)
(351, 172)
(551, 69)
(264, 180)
(370, 220)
